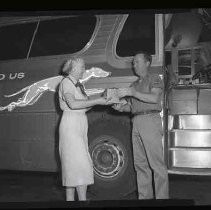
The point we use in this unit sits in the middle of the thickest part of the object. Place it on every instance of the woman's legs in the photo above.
(70, 192)
(81, 190)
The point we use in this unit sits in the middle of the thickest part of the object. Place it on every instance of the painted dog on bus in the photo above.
(35, 91)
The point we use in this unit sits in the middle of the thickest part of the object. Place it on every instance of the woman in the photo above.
(77, 169)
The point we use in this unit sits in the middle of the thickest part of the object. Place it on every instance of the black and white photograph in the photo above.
(105, 108)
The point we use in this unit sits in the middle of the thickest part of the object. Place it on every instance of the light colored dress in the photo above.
(77, 167)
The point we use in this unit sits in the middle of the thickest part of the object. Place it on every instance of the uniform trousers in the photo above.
(152, 176)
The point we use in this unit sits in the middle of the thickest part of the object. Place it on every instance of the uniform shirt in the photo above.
(144, 86)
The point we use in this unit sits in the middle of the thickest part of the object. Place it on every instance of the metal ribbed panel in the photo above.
(191, 122)
(183, 107)
(204, 101)
(98, 46)
(189, 142)
(103, 33)
(106, 26)
(190, 171)
(187, 158)
(190, 138)
(185, 94)
(183, 101)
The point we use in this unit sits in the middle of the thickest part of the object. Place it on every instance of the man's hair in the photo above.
(147, 56)
(69, 65)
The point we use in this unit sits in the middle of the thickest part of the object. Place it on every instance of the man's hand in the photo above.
(118, 106)
(122, 92)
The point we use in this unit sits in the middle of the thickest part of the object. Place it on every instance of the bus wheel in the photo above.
(111, 152)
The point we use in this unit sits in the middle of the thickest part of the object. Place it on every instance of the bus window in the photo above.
(63, 36)
(138, 33)
(15, 40)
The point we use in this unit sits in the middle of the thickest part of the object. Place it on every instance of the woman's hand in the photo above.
(105, 101)
(101, 101)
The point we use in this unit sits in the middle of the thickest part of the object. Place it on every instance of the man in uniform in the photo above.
(145, 104)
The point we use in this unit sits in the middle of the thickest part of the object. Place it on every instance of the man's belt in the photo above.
(146, 112)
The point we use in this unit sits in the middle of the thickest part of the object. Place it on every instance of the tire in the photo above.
(111, 151)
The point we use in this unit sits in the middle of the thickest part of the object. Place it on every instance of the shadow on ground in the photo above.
(45, 187)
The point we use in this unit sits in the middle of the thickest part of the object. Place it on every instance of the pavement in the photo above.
(46, 187)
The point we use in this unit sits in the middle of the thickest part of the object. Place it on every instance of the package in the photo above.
(113, 93)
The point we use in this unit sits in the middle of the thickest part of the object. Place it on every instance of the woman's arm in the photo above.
(67, 89)
(74, 103)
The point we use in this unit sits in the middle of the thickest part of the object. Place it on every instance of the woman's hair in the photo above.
(69, 65)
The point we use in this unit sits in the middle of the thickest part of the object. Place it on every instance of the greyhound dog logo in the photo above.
(35, 91)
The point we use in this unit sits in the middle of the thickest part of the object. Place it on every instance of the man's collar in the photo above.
(146, 76)
(73, 79)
